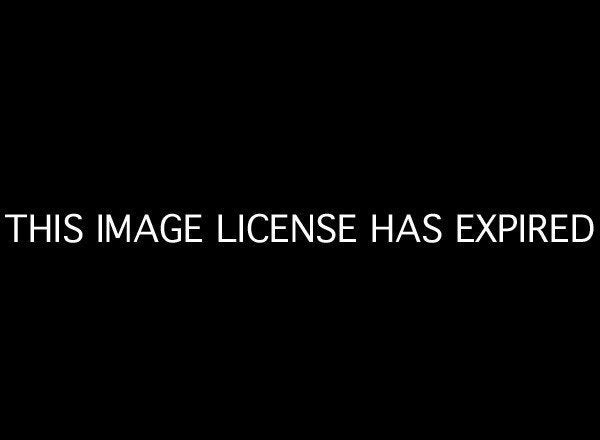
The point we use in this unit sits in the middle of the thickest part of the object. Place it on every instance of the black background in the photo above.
(386, 112)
